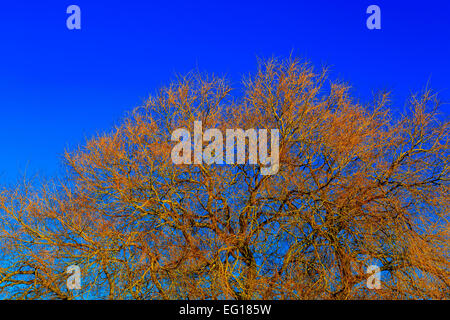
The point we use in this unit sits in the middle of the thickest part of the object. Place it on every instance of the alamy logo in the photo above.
(374, 20)
(235, 140)
(374, 280)
(73, 22)
(74, 281)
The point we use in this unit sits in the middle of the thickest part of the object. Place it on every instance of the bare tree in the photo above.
(357, 185)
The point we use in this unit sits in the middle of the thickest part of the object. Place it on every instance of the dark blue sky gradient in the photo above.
(58, 87)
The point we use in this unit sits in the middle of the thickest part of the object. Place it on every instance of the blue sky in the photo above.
(59, 87)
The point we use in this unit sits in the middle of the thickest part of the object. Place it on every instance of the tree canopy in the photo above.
(357, 185)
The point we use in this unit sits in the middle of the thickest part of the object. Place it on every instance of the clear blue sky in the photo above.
(58, 87)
